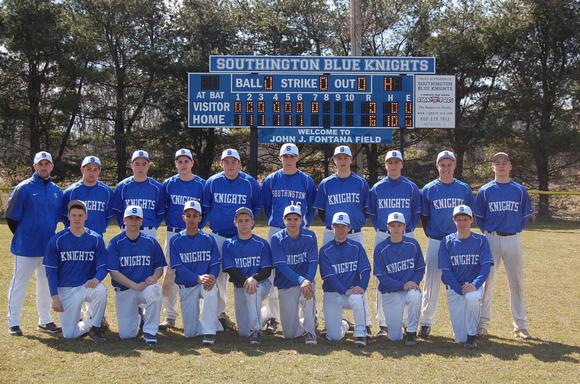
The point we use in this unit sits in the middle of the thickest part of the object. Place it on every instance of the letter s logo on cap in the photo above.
(341, 150)
(340, 217)
(288, 148)
(134, 210)
(44, 154)
(141, 153)
(93, 160)
(396, 216)
(229, 152)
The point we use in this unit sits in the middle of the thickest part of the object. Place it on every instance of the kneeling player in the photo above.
(295, 256)
(346, 271)
(399, 266)
(465, 260)
(196, 260)
(248, 260)
(76, 263)
(136, 262)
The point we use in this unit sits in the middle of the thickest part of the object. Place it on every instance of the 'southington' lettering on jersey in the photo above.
(289, 193)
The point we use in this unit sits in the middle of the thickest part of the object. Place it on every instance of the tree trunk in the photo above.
(33, 104)
(373, 164)
(541, 159)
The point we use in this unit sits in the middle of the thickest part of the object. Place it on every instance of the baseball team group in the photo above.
(274, 278)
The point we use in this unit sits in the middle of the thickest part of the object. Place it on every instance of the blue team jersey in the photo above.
(298, 254)
(348, 195)
(280, 190)
(464, 257)
(347, 261)
(177, 192)
(438, 201)
(98, 200)
(222, 196)
(247, 256)
(503, 207)
(146, 194)
(36, 205)
(136, 259)
(388, 196)
(76, 259)
(199, 254)
(398, 263)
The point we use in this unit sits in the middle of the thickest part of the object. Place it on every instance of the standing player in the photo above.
(399, 267)
(345, 270)
(196, 261)
(295, 256)
(136, 263)
(394, 193)
(465, 261)
(439, 197)
(96, 195)
(178, 190)
(223, 194)
(32, 213)
(344, 191)
(142, 191)
(76, 264)
(248, 260)
(502, 210)
(285, 187)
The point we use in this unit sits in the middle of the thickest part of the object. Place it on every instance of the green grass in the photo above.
(553, 298)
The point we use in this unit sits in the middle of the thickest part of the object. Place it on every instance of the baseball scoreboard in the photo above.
(300, 100)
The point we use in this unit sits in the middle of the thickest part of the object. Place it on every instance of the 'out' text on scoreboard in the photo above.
(300, 100)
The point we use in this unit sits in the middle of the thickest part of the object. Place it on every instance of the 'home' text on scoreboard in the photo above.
(300, 100)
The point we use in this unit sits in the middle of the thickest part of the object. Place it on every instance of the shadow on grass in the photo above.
(170, 342)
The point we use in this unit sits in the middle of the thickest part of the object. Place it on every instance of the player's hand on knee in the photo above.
(410, 285)
(307, 289)
(151, 280)
(207, 281)
(57, 304)
(140, 286)
(355, 291)
(468, 287)
(92, 283)
(251, 285)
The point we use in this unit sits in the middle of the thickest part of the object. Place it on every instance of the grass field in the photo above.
(553, 297)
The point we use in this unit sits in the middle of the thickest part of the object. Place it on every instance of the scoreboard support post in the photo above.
(402, 140)
(253, 166)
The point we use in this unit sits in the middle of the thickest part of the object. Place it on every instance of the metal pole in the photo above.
(402, 140)
(355, 44)
(253, 166)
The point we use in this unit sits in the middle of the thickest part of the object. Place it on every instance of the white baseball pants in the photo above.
(395, 304)
(248, 308)
(432, 283)
(464, 311)
(333, 303)
(298, 315)
(72, 299)
(190, 300)
(128, 318)
(170, 289)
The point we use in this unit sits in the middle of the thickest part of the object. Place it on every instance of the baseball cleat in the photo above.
(350, 325)
(369, 332)
(522, 334)
(168, 323)
(482, 332)
(271, 326)
(227, 323)
(383, 332)
(425, 331)
(15, 331)
(360, 342)
(208, 340)
(411, 339)
(149, 339)
(310, 339)
(471, 342)
(323, 332)
(97, 335)
(50, 328)
(105, 325)
(254, 338)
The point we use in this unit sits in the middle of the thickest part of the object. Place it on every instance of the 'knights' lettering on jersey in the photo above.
(296, 259)
(230, 198)
(500, 206)
(342, 198)
(134, 261)
(464, 259)
(181, 200)
(192, 257)
(400, 265)
(143, 203)
(349, 266)
(447, 203)
(247, 256)
(248, 262)
(394, 203)
(95, 205)
(77, 255)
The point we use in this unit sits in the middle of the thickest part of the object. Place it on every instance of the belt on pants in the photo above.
(387, 231)
(174, 229)
(119, 289)
(351, 231)
(143, 228)
(504, 234)
(438, 238)
(226, 235)
(181, 286)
